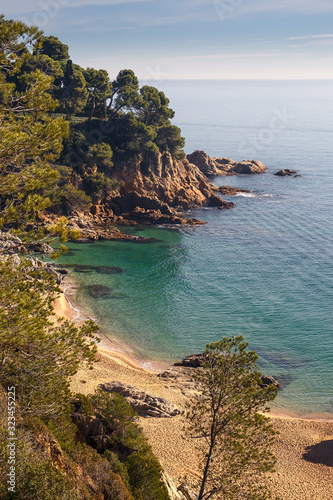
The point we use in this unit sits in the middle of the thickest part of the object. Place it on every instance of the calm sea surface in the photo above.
(262, 269)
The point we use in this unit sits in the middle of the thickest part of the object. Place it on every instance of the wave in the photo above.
(254, 195)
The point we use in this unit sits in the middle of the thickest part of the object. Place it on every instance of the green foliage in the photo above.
(169, 139)
(73, 93)
(118, 467)
(52, 47)
(124, 91)
(30, 138)
(99, 186)
(153, 107)
(68, 198)
(42, 480)
(99, 88)
(99, 157)
(114, 408)
(235, 437)
(145, 477)
(40, 354)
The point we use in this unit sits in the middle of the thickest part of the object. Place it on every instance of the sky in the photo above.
(190, 39)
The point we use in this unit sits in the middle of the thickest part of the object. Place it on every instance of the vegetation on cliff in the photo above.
(42, 453)
(68, 135)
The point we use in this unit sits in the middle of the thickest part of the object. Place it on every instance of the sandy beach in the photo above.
(304, 447)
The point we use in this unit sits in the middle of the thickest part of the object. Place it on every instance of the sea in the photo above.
(263, 269)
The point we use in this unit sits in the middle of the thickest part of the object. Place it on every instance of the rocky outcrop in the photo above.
(206, 164)
(146, 209)
(157, 192)
(247, 167)
(286, 172)
(231, 191)
(145, 404)
(213, 167)
(181, 372)
(268, 380)
(92, 431)
(46, 444)
(10, 249)
(183, 492)
(188, 493)
(192, 361)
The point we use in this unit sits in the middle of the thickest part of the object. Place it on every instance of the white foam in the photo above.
(254, 195)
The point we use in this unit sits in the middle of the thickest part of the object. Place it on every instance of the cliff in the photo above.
(155, 192)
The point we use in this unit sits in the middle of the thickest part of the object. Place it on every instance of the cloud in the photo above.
(20, 7)
(310, 37)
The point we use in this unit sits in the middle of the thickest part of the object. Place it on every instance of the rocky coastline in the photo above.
(158, 196)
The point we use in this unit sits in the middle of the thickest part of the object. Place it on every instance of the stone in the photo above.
(109, 270)
(231, 191)
(193, 361)
(285, 172)
(99, 291)
(268, 380)
(248, 167)
(173, 492)
(212, 167)
(91, 430)
(145, 404)
(188, 493)
(205, 163)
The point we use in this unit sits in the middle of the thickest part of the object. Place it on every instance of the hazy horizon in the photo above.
(191, 39)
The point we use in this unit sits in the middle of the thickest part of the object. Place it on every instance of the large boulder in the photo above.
(248, 167)
(205, 163)
(145, 404)
(212, 167)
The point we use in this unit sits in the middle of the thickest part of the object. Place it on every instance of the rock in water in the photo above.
(212, 167)
(145, 404)
(193, 361)
(231, 191)
(286, 172)
(109, 270)
(268, 380)
(99, 291)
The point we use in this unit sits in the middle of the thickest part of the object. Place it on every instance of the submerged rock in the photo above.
(99, 291)
(83, 269)
(109, 270)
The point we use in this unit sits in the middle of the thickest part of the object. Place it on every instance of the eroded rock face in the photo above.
(49, 446)
(160, 193)
(145, 404)
(213, 167)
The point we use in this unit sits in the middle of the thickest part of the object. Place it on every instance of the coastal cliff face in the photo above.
(154, 192)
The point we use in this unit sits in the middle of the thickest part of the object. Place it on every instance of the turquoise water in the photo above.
(262, 269)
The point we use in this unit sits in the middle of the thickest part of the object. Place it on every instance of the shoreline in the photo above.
(63, 307)
(303, 446)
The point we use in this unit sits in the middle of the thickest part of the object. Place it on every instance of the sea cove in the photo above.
(262, 269)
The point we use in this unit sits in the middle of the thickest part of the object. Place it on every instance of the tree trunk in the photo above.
(204, 479)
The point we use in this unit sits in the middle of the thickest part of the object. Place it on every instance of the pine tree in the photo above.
(225, 416)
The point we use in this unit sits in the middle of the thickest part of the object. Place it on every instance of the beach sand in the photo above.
(304, 447)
